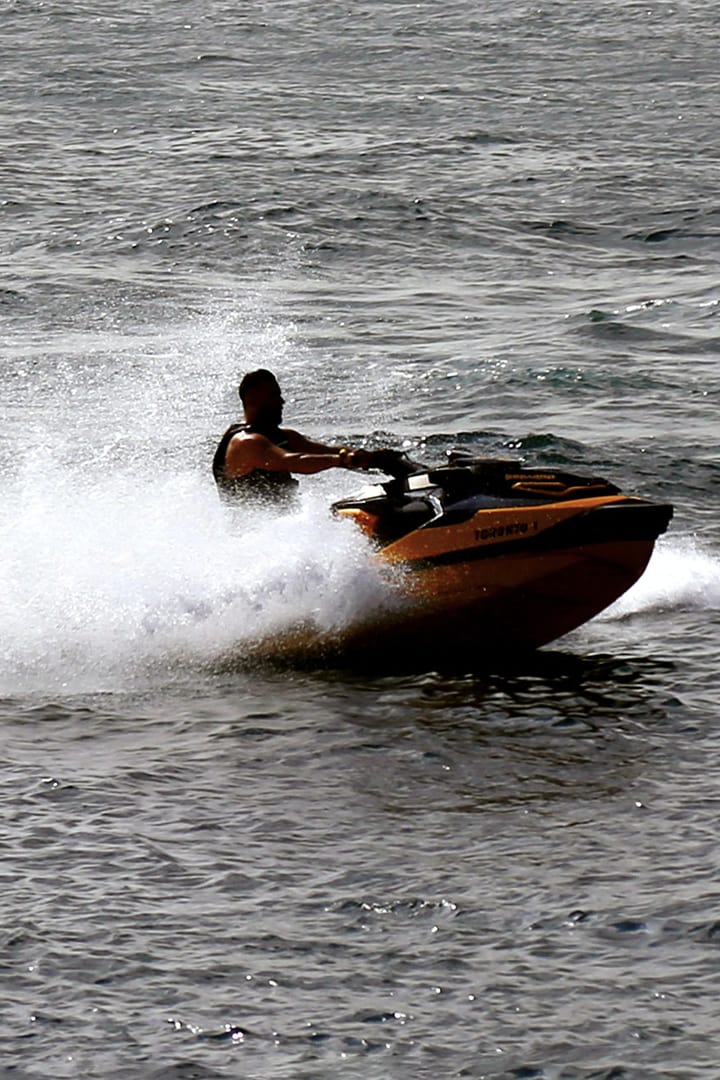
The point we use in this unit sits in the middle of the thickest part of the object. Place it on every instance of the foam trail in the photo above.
(117, 562)
(680, 575)
(105, 583)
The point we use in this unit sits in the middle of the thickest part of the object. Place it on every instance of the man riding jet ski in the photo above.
(482, 555)
(255, 460)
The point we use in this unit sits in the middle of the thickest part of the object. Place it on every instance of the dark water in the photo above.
(489, 226)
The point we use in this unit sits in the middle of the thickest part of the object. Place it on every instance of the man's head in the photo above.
(261, 397)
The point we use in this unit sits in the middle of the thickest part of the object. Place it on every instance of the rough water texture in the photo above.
(489, 226)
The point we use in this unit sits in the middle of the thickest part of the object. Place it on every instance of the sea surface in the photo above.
(493, 226)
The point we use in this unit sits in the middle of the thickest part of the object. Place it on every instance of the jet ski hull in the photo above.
(485, 559)
(519, 603)
(491, 574)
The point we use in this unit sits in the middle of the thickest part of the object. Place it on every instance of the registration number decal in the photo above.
(501, 532)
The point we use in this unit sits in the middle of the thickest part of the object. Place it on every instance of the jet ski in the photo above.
(487, 555)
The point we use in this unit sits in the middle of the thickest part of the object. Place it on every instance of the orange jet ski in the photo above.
(493, 556)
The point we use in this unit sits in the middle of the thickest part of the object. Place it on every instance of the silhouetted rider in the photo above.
(255, 460)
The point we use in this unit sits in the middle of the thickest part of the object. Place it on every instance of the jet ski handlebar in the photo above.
(395, 463)
(399, 466)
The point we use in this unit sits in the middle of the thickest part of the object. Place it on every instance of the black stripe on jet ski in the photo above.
(617, 522)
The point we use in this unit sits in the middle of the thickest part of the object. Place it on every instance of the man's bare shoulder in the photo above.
(249, 442)
(246, 447)
(248, 436)
(250, 450)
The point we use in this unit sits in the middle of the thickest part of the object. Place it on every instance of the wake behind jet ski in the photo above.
(493, 555)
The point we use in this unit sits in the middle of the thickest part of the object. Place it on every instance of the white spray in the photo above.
(680, 575)
(116, 557)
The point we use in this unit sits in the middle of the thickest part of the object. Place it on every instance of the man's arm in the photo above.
(247, 452)
(352, 459)
(300, 444)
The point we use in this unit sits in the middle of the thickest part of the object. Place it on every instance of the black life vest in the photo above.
(260, 485)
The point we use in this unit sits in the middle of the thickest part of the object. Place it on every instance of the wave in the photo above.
(681, 575)
(117, 562)
(107, 584)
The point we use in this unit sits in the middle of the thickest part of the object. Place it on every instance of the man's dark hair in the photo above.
(253, 379)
